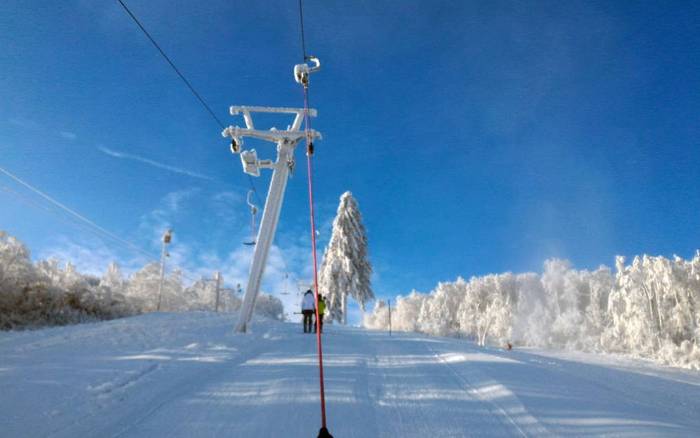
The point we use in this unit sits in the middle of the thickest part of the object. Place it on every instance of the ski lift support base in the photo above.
(286, 141)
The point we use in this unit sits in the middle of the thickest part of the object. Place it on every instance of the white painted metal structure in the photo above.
(286, 141)
(302, 71)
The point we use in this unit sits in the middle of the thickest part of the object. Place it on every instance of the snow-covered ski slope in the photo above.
(169, 375)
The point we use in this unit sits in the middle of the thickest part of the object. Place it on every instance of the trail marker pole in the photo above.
(389, 317)
(217, 277)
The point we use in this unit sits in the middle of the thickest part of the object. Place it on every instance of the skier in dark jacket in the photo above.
(308, 308)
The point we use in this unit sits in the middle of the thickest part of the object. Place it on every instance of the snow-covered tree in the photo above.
(15, 264)
(567, 297)
(600, 285)
(486, 306)
(50, 270)
(201, 295)
(173, 299)
(143, 287)
(378, 318)
(438, 316)
(113, 278)
(112, 284)
(346, 269)
(531, 316)
(405, 315)
(269, 306)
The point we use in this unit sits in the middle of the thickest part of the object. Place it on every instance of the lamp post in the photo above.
(167, 237)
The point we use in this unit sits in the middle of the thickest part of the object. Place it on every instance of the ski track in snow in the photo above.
(187, 375)
(492, 393)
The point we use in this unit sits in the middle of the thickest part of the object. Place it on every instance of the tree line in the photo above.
(649, 308)
(50, 293)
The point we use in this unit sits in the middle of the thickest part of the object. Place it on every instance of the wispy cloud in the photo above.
(90, 255)
(169, 213)
(33, 125)
(125, 156)
(23, 123)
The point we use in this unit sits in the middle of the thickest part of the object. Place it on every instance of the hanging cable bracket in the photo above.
(302, 71)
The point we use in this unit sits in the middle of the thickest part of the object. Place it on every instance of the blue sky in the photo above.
(477, 137)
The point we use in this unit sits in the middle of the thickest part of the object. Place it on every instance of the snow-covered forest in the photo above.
(50, 293)
(649, 308)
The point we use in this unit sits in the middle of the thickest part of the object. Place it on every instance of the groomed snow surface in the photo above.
(188, 375)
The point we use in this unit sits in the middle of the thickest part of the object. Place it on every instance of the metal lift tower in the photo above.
(286, 141)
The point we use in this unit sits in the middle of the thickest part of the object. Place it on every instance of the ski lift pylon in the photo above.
(253, 212)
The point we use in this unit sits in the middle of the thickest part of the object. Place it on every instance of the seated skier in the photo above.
(308, 308)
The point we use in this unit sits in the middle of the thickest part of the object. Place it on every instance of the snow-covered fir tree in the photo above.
(346, 269)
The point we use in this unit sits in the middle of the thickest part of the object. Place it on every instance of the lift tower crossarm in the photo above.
(247, 110)
(275, 136)
(235, 110)
(286, 141)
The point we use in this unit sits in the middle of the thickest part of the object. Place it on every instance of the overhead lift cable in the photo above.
(201, 100)
(67, 220)
(80, 220)
(301, 22)
(93, 225)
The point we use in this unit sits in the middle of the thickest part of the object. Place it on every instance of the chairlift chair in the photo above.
(286, 277)
(253, 212)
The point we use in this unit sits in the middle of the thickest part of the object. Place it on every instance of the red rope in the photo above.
(309, 153)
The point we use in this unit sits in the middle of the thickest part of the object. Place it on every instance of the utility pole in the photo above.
(286, 141)
(389, 317)
(217, 277)
(167, 237)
